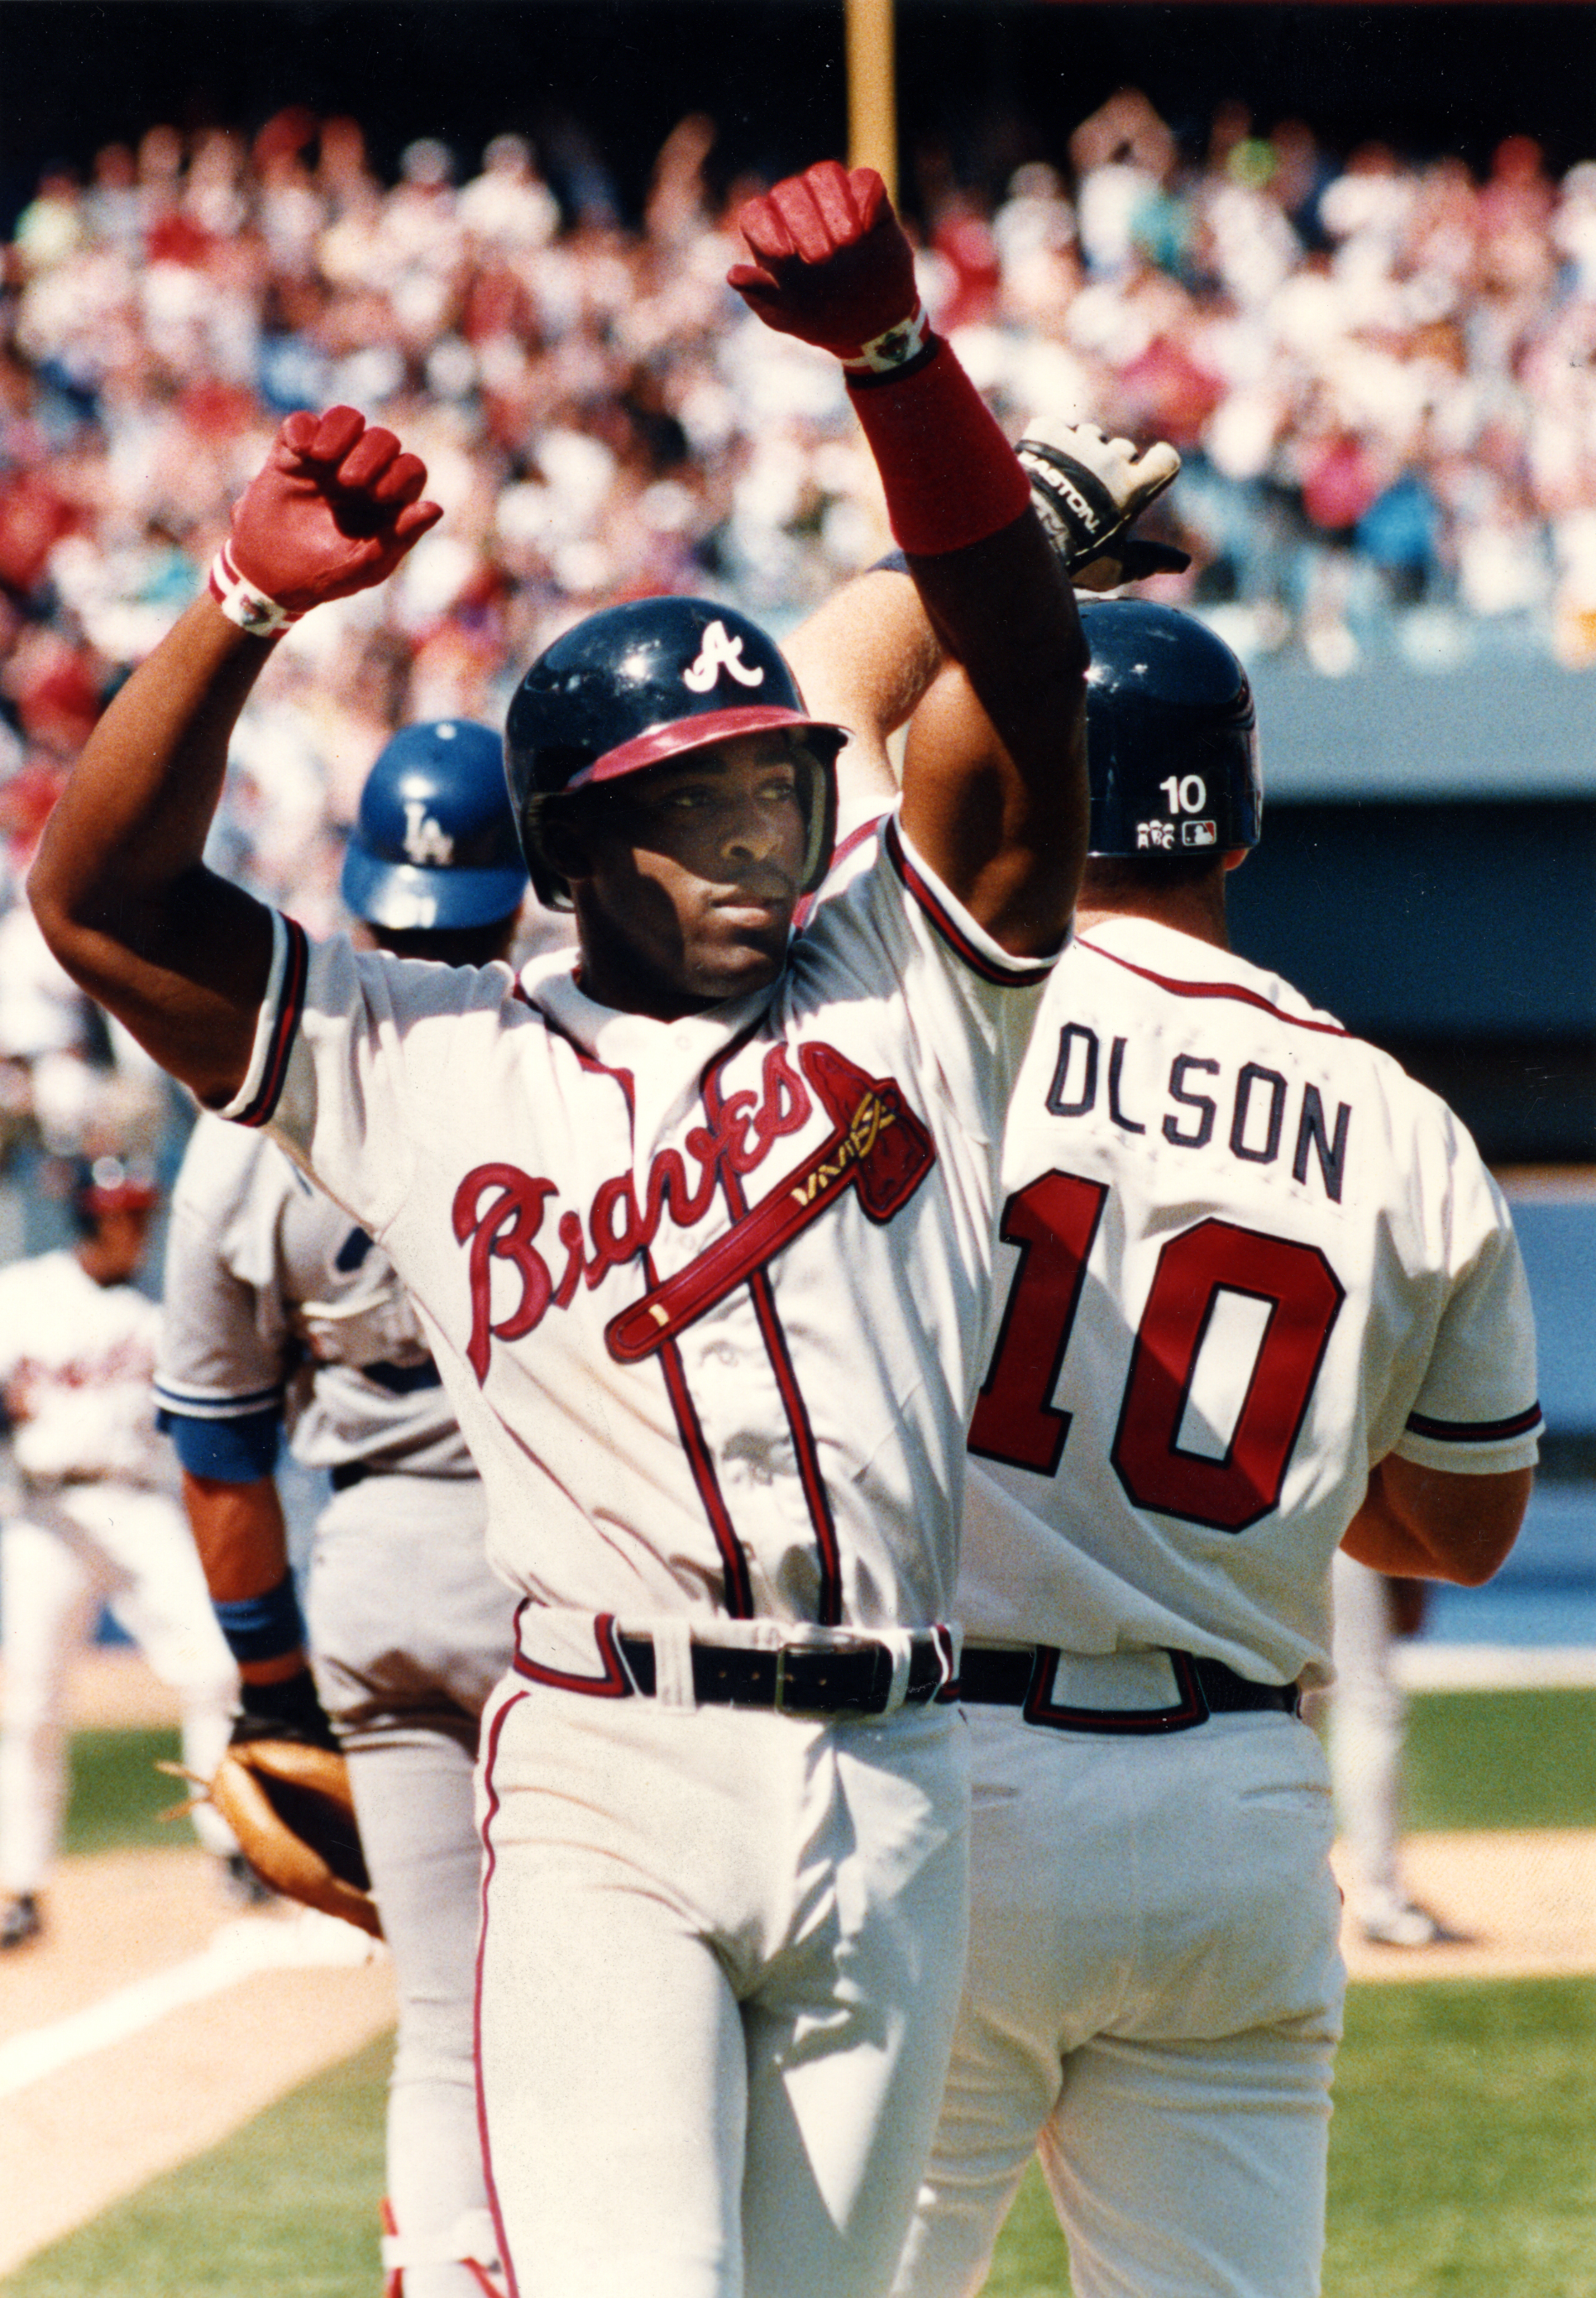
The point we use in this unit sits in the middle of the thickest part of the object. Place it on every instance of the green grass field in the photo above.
(1462, 2165)
(1474, 1759)
(118, 1795)
(1463, 2149)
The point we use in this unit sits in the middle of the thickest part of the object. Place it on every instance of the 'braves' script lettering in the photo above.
(505, 1229)
(499, 1210)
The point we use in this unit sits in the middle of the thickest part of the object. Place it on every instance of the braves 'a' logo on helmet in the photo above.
(720, 651)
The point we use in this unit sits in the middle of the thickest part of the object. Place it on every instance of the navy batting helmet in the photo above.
(1171, 734)
(642, 685)
(435, 847)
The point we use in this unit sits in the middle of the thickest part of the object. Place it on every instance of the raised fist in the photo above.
(333, 510)
(832, 266)
(1088, 490)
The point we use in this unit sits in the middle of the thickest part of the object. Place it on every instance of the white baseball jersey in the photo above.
(76, 1363)
(1245, 1257)
(277, 1302)
(707, 1294)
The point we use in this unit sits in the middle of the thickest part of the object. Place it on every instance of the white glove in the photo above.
(1088, 493)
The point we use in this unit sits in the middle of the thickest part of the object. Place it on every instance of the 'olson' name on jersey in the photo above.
(1264, 1114)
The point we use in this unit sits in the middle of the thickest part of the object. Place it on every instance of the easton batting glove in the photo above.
(831, 266)
(334, 509)
(1089, 492)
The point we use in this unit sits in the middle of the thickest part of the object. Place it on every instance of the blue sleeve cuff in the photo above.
(232, 1452)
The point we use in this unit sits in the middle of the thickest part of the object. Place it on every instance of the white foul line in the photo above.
(238, 1950)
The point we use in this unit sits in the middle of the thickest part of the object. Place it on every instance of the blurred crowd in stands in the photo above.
(1382, 375)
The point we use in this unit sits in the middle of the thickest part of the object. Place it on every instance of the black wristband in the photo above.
(289, 1710)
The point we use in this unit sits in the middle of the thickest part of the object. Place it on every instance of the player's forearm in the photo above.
(243, 1543)
(1424, 1523)
(1003, 611)
(1012, 856)
(119, 887)
(831, 264)
(864, 660)
(1001, 814)
(997, 599)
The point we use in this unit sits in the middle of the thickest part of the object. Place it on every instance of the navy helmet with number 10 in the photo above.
(1171, 735)
(644, 684)
(434, 848)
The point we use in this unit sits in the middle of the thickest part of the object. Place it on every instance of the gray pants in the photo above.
(410, 1631)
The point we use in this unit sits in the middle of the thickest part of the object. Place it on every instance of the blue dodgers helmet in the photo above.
(1171, 734)
(642, 685)
(434, 847)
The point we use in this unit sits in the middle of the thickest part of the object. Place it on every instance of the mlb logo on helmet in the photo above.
(1199, 833)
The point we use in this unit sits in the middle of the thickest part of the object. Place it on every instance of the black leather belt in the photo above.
(1010, 1676)
(804, 1679)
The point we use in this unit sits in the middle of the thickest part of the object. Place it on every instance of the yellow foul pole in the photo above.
(872, 106)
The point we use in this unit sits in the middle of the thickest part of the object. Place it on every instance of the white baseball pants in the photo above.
(1153, 2003)
(720, 1963)
(1367, 1725)
(410, 1631)
(132, 1550)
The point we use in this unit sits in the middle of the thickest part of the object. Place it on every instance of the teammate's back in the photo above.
(1248, 1258)
(1262, 1302)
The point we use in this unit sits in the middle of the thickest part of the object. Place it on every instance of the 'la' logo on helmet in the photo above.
(425, 840)
(720, 651)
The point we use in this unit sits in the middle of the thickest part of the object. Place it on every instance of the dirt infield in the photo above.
(152, 2020)
(149, 2023)
(1523, 1904)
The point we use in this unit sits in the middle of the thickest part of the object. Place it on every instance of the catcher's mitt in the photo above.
(290, 1807)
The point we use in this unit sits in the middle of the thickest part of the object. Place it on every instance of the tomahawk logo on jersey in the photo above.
(876, 1145)
(1304, 1242)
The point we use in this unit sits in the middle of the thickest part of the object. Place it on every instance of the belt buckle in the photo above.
(789, 1696)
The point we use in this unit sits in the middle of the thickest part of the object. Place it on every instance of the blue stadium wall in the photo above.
(1429, 875)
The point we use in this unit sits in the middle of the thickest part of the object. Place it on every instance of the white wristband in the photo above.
(242, 603)
(894, 347)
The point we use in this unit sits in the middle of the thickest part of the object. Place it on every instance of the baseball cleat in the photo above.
(1405, 1924)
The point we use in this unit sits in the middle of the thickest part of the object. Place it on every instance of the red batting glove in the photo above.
(832, 266)
(334, 509)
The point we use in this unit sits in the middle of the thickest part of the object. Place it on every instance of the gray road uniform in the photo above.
(282, 1313)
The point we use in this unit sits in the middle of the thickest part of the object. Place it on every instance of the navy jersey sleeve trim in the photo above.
(207, 1404)
(228, 1452)
(291, 1006)
(1022, 974)
(1475, 1432)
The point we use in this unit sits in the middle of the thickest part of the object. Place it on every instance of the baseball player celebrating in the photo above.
(1257, 1298)
(279, 1309)
(698, 1233)
(96, 1524)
